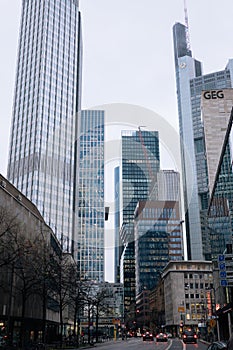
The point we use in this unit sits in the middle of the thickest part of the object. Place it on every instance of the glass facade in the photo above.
(158, 239)
(190, 83)
(46, 99)
(90, 213)
(220, 214)
(140, 164)
(118, 243)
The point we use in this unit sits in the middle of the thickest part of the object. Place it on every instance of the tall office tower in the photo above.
(216, 106)
(140, 164)
(190, 83)
(90, 213)
(118, 243)
(46, 100)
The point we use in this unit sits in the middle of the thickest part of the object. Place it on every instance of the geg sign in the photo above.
(213, 94)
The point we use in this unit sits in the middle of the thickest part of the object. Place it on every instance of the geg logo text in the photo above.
(213, 94)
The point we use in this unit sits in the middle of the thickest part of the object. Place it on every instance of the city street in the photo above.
(139, 344)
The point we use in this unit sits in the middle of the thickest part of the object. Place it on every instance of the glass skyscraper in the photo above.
(140, 164)
(46, 102)
(90, 209)
(190, 82)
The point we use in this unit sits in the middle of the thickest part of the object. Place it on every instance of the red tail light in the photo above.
(195, 336)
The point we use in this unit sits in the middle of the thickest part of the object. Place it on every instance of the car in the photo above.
(147, 336)
(161, 337)
(217, 345)
(189, 336)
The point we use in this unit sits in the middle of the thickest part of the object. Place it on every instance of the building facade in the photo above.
(217, 116)
(140, 164)
(46, 102)
(158, 240)
(90, 209)
(188, 293)
(23, 230)
(190, 82)
(118, 243)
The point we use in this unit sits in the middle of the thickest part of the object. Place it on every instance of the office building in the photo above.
(140, 164)
(190, 82)
(216, 106)
(188, 294)
(217, 117)
(46, 102)
(90, 213)
(118, 243)
(19, 277)
(168, 184)
(158, 240)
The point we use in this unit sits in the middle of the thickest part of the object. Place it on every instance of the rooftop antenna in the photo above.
(187, 26)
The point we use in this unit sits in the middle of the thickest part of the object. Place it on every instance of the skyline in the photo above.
(115, 73)
(128, 63)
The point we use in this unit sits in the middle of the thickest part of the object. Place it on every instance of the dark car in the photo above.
(217, 345)
(189, 336)
(161, 337)
(147, 336)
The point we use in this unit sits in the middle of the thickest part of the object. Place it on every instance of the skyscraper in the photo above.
(46, 102)
(90, 209)
(217, 117)
(190, 82)
(140, 164)
(118, 244)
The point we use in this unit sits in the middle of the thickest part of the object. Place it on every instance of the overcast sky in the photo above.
(128, 52)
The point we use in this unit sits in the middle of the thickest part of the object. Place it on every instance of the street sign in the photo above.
(223, 283)
(221, 257)
(181, 309)
(212, 323)
(222, 274)
(222, 266)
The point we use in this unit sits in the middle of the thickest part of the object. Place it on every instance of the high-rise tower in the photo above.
(190, 82)
(46, 102)
(90, 210)
(140, 164)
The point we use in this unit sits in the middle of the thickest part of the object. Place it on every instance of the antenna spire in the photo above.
(187, 26)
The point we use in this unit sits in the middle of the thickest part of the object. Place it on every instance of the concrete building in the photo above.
(217, 118)
(47, 95)
(30, 235)
(216, 106)
(188, 293)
